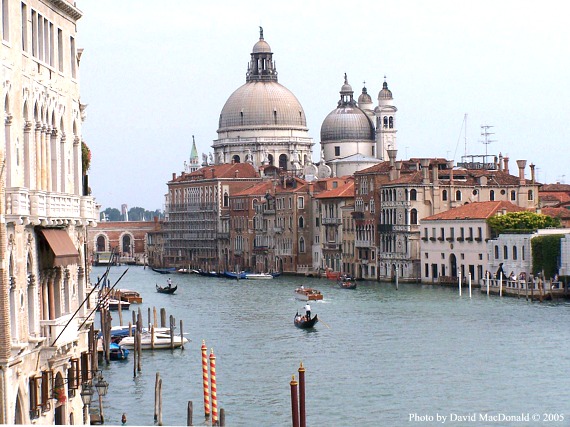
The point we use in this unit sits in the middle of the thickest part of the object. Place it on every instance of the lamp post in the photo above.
(86, 396)
(102, 386)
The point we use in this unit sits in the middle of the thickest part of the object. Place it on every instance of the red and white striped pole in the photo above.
(213, 382)
(205, 381)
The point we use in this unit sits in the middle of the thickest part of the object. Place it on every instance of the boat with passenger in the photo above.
(308, 294)
(304, 322)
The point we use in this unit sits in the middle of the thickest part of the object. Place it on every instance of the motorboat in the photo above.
(258, 276)
(308, 294)
(159, 342)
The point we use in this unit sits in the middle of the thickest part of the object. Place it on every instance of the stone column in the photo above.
(43, 139)
(38, 148)
(51, 293)
(28, 155)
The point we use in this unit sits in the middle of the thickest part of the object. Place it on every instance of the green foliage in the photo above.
(85, 157)
(521, 221)
(546, 254)
(112, 214)
(141, 214)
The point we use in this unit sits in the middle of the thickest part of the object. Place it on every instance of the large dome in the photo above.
(262, 104)
(347, 123)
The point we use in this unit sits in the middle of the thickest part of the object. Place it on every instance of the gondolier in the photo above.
(308, 311)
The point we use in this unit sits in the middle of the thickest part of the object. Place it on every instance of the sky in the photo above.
(155, 73)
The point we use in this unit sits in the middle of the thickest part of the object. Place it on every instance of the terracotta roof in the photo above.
(476, 210)
(561, 213)
(346, 190)
(226, 170)
(259, 188)
(559, 196)
(555, 187)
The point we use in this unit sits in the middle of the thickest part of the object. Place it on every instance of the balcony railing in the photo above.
(53, 327)
(35, 205)
(332, 221)
(363, 243)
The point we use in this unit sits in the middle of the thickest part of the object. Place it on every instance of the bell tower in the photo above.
(385, 114)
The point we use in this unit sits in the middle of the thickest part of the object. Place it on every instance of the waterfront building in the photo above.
(127, 239)
(356, 136)
(197, 220)
(454, 242)
(514, 251)
(330, 203)
(46, 209)
(410, 190)
(262, 122)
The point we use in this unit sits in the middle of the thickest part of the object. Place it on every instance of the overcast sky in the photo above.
(155, 73)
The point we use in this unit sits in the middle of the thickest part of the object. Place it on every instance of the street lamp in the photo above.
(101, 385)
(86, 396)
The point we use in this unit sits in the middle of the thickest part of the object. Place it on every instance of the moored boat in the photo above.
(165, 270)
(114, 305)
(160, 341)
(308, 294)
(258, 276)
(128, 295)
(166, 289)
(234, 275)
(332, 275)
(305, 323)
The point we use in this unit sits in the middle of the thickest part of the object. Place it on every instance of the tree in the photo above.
(521, 221)
(112, 214)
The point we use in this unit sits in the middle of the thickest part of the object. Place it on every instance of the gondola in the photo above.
(165, 270)
(303, 323)
(347, 284)
(166, 289)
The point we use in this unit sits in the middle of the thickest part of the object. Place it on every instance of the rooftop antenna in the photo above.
(465, 133)
(486, 134)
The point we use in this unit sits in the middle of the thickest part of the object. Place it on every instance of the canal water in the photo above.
(381, 356)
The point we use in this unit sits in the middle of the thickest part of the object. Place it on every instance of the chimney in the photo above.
(449, 164)
(398, 168)
(521, 164)
(500, 161)
(173, 176)
(392, 156)
(532, 173)
(425, 170)
(506, 164)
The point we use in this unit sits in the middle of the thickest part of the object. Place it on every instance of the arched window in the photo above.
(458, 195)
(391, 121)
(385, 121)
(127, 245)
(496, 252)
(505, 252)
(513, 195)
(226, 199)
(301, 222)
(492, 195)
(515, 254)
(236, 159)
(302, 245)
(283, 162)
(413, 195)
(101, 244)
(270, 158)
(414, 217)
(530, 195)
(444, 195)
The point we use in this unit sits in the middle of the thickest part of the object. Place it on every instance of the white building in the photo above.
(454, 242)
(45, 210)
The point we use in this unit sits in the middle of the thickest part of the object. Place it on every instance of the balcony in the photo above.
(363, 243)
(331, 246)
(24, 205)
(53, 327)
(269, 212)
(331, 221)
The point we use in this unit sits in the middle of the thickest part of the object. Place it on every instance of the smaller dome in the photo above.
(261, 47)
(385, 93)
(346, 88)
(364, 98)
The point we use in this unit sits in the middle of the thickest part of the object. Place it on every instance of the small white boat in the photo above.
(258, 276)
(161, 341)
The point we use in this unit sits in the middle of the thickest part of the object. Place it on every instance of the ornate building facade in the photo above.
(45, 210)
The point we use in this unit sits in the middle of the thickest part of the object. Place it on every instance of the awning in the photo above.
(63, 248)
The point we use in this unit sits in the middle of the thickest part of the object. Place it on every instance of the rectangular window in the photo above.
(51, 45)
(337, 151)
(72, 53)
(5, 21)
(40, 37)
(442, 230)
(24, 27)
(34, 34)
(301, 203)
